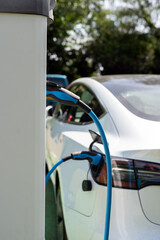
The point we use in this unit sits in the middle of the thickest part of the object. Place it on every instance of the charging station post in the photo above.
(23, 30)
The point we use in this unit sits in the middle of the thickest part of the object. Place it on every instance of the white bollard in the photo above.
(23, 34)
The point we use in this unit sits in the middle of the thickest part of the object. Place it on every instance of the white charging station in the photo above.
(23, 31)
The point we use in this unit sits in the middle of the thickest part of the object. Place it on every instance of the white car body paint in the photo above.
(129, 136)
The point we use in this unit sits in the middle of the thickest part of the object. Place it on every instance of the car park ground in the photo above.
(50, 214)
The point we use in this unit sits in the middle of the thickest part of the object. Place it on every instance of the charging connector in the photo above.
(93, 157)
(60, 94)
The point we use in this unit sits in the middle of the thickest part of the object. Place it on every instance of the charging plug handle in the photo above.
(64, 96)
(93, 157)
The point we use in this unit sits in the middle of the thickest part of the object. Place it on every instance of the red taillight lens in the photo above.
(147, 174)
(129, 174)
(123, 174)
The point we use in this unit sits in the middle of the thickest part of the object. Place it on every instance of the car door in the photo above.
(69, 133)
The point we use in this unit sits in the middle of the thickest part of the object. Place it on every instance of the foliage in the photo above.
(86, 39)
(143, 14)
(120, 52)
(71, 21)
(126, 39)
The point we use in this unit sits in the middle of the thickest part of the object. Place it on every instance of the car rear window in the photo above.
(140, 97)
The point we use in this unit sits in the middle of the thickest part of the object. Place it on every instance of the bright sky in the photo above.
(109, 4)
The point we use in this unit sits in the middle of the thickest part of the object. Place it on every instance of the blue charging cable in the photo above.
(68, 98)
(93, 157)
(109, 174)
(52, 170)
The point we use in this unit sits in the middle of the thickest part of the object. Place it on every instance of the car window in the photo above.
(140, 96)
(74, 114)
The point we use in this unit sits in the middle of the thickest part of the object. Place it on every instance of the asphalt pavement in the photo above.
(50, 213)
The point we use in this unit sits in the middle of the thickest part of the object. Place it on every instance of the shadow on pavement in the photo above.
(50, 214)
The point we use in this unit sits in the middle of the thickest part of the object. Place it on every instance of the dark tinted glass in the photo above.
(147, 174)
(74, 114)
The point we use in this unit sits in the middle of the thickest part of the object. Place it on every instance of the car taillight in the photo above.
(129, 174)
(123, 174)
(147, 174)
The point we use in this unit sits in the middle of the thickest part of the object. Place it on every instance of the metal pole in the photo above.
(23, 30)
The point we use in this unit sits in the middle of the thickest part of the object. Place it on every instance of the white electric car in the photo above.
(128, 107)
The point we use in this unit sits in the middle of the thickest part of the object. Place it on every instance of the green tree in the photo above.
(86, 39)
(142, 16)
(119, 49)
(67, 34)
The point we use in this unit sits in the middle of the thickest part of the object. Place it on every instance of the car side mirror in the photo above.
(96, 139)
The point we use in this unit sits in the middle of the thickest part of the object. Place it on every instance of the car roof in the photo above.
(149, 79)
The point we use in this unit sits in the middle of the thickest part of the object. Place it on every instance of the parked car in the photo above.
(60, 80)
(128, 107)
